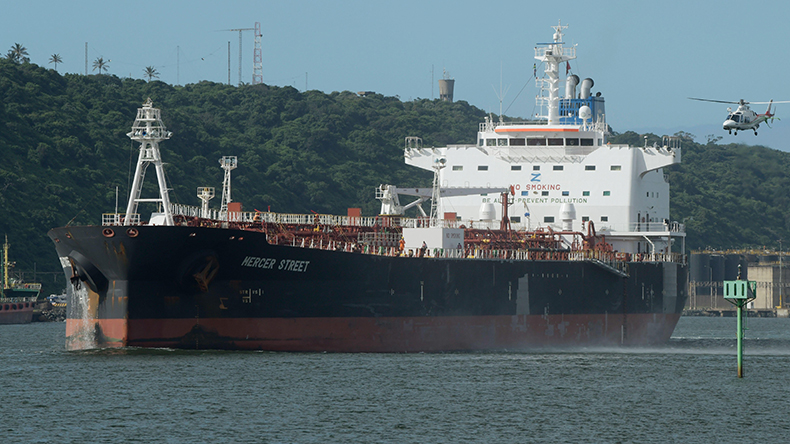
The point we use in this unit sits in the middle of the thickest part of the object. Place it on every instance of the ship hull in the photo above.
(187, 287)
(16, 312)
(402, 334)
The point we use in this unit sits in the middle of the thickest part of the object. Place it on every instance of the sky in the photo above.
(646, 58)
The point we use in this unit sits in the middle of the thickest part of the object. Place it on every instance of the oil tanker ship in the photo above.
(540, 234)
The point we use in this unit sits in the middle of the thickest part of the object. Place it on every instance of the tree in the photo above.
(101, 64)
(151, 73)
(56, 58)
(18, 54)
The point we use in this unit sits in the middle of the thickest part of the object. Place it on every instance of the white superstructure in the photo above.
(563, 174)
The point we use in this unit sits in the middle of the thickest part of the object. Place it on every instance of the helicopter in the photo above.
(744, 118)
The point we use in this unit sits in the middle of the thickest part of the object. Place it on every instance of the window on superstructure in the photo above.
(480, 142)
(548, 219)
(518, 141)
(536, 142)
(458, 167)
(515, 167)
(490, 142)
(585, 218)
(589, 168)
(604, 218)
(555, 142)
(571, 142)
(566, 193)
(535, 167)
(558, 167)
(501, 142)
(615, 168)
(482, 168)
(607, 193)
(544, 193)
(525, 193)
(587, 142)
(516, 219)
(585, 193)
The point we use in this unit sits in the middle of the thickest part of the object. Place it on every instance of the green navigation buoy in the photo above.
(739, 293)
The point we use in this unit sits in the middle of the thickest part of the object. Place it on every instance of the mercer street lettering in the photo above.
(270, 263)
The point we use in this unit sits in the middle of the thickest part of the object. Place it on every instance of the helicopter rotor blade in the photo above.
(717, 101)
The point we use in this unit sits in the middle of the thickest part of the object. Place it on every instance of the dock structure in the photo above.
(708, 269)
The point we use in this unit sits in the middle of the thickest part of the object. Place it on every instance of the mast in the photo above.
(227, 163)
(149, 130)
(552, 54)
(438, 164)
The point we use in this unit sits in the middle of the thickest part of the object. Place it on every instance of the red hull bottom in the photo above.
(413, 334)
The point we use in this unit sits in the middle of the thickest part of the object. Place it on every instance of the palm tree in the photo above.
(101, 64)
(151, 73)
(56, 58)
(18, 54)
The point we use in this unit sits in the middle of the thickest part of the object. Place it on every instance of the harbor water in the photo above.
(685, 391)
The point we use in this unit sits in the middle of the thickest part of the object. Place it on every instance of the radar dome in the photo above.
(585, 113)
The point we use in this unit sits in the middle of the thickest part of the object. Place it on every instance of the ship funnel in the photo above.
(587, 85)
(570, 86)
(567, 216)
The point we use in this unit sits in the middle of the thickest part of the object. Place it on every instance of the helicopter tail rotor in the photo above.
(768, 112)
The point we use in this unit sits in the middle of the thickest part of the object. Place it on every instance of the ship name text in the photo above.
(270, 263)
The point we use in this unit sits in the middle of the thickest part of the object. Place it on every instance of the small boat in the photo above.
(18, 297)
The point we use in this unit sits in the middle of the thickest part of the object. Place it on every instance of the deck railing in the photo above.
(608, 258)
(109, 219)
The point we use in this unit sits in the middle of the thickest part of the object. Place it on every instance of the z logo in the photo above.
(535, 177)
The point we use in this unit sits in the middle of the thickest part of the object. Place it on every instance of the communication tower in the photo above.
(257, 59)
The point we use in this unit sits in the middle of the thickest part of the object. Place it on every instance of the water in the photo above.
(686, 391)
(85, 335)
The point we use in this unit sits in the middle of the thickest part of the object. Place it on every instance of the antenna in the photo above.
(227, 163)
(257, 57)
(240, 31)
(500, 95)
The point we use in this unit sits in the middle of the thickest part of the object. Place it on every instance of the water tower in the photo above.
(446, 85)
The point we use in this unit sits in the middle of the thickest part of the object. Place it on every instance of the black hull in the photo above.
(193, 277)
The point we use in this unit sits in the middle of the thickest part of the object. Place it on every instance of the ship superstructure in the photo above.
(564, 171)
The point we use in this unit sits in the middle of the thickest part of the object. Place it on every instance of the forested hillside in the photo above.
(64, 150)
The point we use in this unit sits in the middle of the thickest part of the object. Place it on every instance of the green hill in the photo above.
(64, 150)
